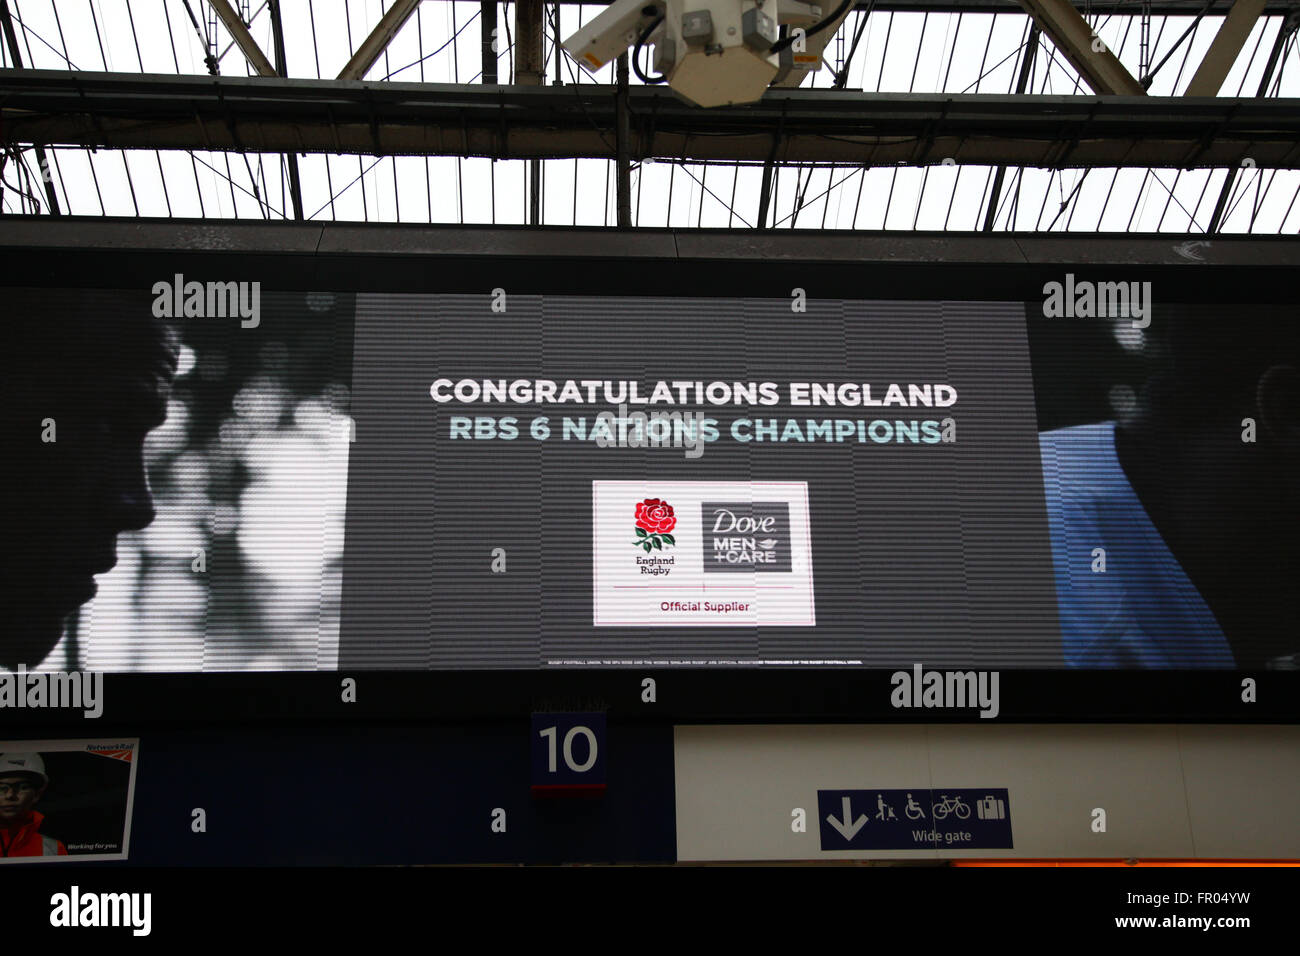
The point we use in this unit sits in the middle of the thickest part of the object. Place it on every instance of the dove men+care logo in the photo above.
(746, 535)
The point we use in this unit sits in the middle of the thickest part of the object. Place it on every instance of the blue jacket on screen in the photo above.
(1143, 610)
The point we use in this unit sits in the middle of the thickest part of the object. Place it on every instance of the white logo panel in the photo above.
(701, 554)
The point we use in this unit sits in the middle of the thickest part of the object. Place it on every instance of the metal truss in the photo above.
(132, 111)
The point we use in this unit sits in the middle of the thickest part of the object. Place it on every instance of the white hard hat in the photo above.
(23, 763)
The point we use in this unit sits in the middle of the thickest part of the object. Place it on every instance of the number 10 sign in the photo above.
(568, 754)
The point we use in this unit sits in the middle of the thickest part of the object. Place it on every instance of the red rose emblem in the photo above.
(655, 516)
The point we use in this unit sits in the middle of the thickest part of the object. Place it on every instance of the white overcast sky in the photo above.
(977, 54)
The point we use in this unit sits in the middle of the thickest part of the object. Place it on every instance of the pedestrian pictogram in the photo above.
(882, 808)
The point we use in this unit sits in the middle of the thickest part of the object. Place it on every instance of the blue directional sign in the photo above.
(568, 754)
(914, 819)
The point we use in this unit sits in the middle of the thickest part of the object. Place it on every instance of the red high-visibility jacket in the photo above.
(27, 840)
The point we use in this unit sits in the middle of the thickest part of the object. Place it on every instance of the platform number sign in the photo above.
(568, 754)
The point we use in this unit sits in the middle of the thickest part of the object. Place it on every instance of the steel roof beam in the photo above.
(1225, 47)
(42, 161)
(373, 46)
(282, 68)
(1118, 8)
(243, 39)
(1090, 57)
(132, 111)
(1289, 27)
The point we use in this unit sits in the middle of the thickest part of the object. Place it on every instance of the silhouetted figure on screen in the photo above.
(83, 379)
(1199, 529)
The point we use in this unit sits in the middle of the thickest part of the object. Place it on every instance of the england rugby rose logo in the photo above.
(654, 521)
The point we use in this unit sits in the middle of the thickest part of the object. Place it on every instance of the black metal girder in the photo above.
(1105, 8)
(267, 114)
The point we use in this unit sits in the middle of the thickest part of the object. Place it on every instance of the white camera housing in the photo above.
(612, 32)
(800, 59)
(729, 64)
(712, 52)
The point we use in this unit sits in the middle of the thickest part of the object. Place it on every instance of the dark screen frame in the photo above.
(341, 257)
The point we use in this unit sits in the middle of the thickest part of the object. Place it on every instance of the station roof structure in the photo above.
(926, 115)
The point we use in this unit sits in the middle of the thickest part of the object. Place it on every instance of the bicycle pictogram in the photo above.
(954, 805)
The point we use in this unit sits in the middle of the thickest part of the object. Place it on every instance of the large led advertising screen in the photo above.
(212, 474)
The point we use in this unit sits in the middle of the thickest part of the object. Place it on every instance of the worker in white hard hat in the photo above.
(22, 784)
